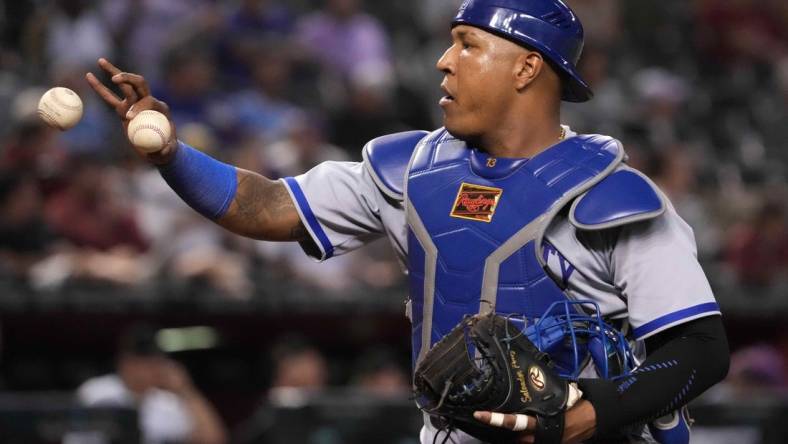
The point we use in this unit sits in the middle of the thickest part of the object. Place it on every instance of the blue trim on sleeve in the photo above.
(656, 324)
(306, 210)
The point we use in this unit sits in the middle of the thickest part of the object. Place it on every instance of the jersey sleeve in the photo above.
(338, 203)
(655, 265)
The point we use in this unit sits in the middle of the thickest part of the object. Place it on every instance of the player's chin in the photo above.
(458, 128)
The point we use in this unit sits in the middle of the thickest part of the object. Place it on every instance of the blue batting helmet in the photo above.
(547, 26)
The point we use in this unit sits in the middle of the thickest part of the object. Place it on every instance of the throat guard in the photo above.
(475, 228)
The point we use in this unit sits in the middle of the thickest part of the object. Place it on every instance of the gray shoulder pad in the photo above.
(624, 197)
(386, 158)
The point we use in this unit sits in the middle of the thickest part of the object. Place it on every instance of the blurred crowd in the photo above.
(697, 91)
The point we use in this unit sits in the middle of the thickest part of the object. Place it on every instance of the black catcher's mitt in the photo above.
(485, 363)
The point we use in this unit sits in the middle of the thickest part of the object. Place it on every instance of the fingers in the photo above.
(148, 102)
(135, 80)
(108, 67)
(129, 93)
(515, 422)
(133, 86)
(105, 93)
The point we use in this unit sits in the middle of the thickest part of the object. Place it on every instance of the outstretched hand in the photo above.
(136, 98)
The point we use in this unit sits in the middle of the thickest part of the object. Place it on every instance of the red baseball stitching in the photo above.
(149, 126)
(49, 119)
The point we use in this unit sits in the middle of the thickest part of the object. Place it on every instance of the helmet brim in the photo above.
(574, 88)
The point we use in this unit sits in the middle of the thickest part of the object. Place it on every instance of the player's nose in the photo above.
(445, 64)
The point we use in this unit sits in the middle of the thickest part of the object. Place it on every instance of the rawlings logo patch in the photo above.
(476, 202)
(537, 378)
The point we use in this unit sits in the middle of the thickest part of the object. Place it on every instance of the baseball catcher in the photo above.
(513, 228)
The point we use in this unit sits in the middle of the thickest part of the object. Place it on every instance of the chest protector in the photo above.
(474, 224)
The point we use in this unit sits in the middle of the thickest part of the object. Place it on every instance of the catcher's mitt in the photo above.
(486, 364)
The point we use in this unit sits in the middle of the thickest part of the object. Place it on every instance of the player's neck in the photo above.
(524, 137)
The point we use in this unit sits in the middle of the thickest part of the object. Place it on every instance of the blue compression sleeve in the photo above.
(203, 182)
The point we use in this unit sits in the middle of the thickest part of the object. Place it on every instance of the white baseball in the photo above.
(149, 131)
(60, 108)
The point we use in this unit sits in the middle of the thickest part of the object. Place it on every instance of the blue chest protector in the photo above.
(474, 224)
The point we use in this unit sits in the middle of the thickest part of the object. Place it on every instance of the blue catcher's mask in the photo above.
(572, 338)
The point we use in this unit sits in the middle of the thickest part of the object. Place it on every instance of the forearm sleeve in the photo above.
(203, 182)
(683, 362)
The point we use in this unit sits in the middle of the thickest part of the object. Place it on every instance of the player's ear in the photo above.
(527, 68)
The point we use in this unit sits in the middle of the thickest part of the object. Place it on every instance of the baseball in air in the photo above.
(60, 108)
(149, 131)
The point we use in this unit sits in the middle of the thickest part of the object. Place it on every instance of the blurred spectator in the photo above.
(662, 95)
(171, 408)
(609, 110)
(77, 35)
(676, 173)
(248, 24)
(757, 372)
(14, 17)
(758, 252)
(262, 112)
(25, 238)
(145, 30)
(369, 114)
(189, 86)
(348, 42)
(300, 371)
(738, 33)
(298, 364)
(31, 146)
(187, 249)
(601, 21)
(96, 135)
(378, 372)
(89, 212)
(304, 148)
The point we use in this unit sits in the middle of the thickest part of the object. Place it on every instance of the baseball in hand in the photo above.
(60, 108)
(149, 131)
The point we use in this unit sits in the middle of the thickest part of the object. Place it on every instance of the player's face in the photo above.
(478, 82)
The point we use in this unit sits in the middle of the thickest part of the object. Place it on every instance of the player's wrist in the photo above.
(164, 156)
(580, 422)
(204, 183)
(600, 395)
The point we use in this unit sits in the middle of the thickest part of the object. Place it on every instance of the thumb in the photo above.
(146, 103)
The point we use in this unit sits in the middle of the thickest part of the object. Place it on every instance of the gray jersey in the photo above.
(645, 273)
